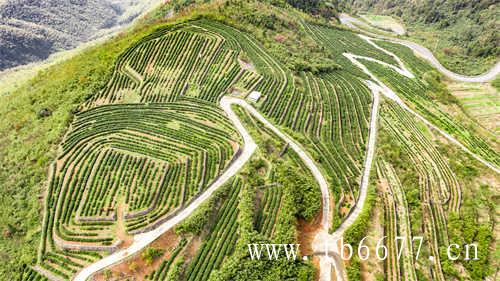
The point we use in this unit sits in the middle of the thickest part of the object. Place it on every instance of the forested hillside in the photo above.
(32, 30)
(455, 29)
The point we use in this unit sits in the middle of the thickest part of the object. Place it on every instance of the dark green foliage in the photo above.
(197, 221)
(316, 7)
(468, 28)
(150, 254)
(496, 83)
(354, 268)
(220, 240)
(439, 91)
(465, 229)
(306, 195)
(239, 267)
(357, 231)
(316, 66)
(479, 38)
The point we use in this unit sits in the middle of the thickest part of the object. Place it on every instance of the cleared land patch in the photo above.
(387, 23)
(481, 101)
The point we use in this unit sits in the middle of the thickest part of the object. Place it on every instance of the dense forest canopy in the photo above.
(327, 9)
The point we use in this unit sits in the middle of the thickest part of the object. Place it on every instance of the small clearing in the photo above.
(387, 23)
(481, 101)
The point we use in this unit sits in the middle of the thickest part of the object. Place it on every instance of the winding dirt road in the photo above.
(318, 176)
(144, 239)
(327, 243)
(423, 52)
(370, 153)
(387, 92)
(323, 238)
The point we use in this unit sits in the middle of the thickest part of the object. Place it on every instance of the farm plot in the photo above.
(397, 223)
(262, 175)
(422, 94)
(146, 159)
(221, 240)
(327, 113)
(163, 270)
(169, 64)
(338, 41)
(266, 217)
(144, 146)
(481, 101)
(438, 187)
(278, 174)
(416, 65)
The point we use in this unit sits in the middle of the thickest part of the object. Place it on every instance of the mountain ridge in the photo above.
(31, 31)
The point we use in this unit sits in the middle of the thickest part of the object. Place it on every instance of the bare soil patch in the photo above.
(307, 231)
(123, 270)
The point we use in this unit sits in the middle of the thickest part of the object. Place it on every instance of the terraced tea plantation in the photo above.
(329, 112)
(439, 190)
(124, 168)
(127, 165)
(155, 140)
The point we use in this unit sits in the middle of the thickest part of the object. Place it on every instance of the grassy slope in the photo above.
(480, 101)
(384, 22)
(28, 142)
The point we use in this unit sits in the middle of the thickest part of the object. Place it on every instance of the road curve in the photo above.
(325, 262)
(370, 153)
(249, 146)
(318, 176)
(377, 88)
(144, 239)
(386, 91)
(425, 53)
(328, 242)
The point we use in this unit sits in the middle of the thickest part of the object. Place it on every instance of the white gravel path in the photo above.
(377, 87)
(323, 238)
(144, 239)
(387, 92)
(425, 53)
